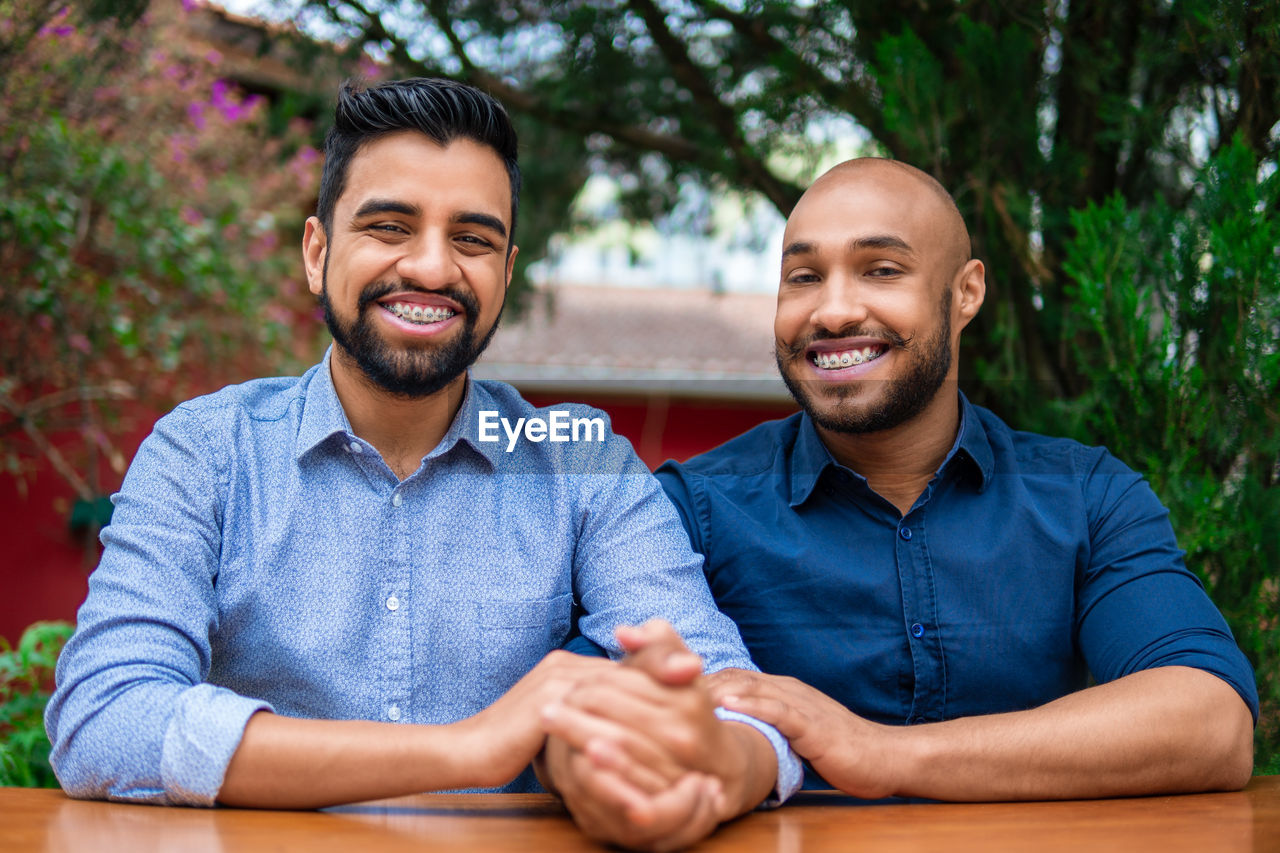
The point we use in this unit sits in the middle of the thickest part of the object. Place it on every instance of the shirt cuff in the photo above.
(207, 725)
(790, 772)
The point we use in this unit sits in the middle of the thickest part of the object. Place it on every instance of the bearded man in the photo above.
(337, 587)
(946, 608)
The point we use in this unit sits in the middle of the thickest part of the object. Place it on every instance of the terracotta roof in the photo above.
(682, 342)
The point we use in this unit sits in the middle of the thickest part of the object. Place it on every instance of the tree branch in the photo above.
(675, 148)
(850, 96)
(782, 193)
(51, 453)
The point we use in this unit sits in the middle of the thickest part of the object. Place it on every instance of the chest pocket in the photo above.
(516, 634)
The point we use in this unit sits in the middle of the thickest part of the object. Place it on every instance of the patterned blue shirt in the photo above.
(261, 556)
(1028, 564)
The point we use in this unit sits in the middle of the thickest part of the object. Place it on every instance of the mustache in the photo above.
(380, 289)
(797, 349)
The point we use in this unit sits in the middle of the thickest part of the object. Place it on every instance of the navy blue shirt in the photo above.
(1027, 564)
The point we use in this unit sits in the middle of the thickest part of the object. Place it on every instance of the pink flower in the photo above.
(79, 342)
(191, 216)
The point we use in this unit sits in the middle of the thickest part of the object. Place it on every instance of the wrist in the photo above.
(901, 752)
(747, 768)
(470, 755)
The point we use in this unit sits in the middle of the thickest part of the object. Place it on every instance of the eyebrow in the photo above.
(857, 244)
(374, 206)
(484, 220)
(880, 241)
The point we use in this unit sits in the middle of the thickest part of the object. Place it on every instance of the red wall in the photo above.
(44, 568)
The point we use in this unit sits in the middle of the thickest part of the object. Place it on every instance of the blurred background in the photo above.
(1116, 162)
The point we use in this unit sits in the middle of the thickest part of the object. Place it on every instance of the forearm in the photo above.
(1165, 730)
(288, 763)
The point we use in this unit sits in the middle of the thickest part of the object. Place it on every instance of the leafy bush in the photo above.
(1174, 318)
(148, 222)
(26, 676)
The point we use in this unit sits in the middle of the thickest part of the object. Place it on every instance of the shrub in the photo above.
(1174, 318)
(26, 677)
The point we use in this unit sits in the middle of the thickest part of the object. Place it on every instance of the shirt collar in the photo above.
(974, 445)
(323, 417)
(810, 457)
(466, 424)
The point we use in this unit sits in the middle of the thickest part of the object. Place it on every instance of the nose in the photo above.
(840, 304)
(428, 262)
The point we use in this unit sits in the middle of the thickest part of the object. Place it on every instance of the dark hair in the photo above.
(442, 109)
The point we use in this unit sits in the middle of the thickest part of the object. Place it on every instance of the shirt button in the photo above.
(393, 713)
(396, 499)
(904, 532)
(917, 630)
(393, 603)
(355, 447)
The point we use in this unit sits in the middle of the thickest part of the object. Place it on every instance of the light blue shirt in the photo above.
(261, 556)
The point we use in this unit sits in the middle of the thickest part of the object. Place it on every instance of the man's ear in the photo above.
(314, 246)
(511, 263)
(971, 290)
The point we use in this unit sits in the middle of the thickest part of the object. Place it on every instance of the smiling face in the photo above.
(413, 278)
(876, 285)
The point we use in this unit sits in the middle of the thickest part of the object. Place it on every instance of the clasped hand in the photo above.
(637, 753)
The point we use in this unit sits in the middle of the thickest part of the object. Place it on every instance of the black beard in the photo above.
(904, 397)
(411, 373)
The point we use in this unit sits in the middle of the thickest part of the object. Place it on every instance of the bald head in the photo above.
(912, 187)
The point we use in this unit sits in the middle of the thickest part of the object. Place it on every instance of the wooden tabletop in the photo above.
(1245, 821)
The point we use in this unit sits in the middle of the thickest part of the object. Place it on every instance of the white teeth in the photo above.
(419, 313)
(848, 358)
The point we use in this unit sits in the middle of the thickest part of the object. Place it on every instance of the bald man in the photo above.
(947, 608)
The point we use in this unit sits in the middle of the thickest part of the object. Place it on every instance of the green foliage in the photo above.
(1174, 322)
(26, 676)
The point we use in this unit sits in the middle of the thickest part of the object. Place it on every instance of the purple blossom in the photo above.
(223, 97)
(191, 216)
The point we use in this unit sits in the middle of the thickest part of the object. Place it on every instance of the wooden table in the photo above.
(1244, 821)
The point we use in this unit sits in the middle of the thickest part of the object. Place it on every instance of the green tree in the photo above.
(1175, 322)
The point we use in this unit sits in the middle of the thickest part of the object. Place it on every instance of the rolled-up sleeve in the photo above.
(1139, 606)
(131, 719)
